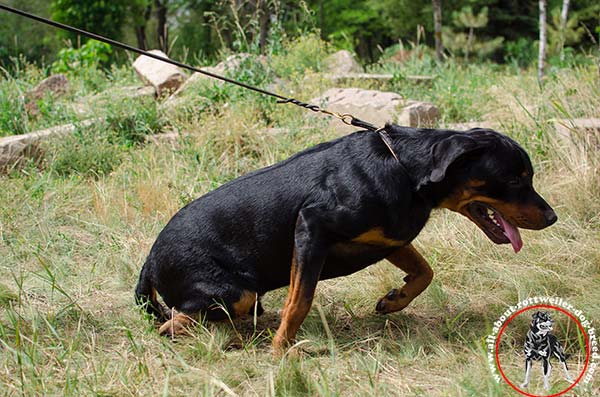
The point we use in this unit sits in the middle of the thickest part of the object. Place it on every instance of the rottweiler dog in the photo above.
(330, 211)
(541, 344)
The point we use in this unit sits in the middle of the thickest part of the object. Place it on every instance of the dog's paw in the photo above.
(524, 385)
(175, 327)
(393, 301)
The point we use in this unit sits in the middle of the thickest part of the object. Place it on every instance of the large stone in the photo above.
(15, 148)
(376, 107)
(164, 77)
(418, 114)
(380, 77)
(229, 65)
(578, 133)
(342, 62)
(57, 85)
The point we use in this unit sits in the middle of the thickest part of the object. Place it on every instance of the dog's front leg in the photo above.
(546, 368)
(419, 276)
(527, 373)
(307, 262)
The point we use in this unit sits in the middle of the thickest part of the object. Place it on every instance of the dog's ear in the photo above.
(447, 151)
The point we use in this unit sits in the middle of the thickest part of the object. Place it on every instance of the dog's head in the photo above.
(541, 323)
(491, 178)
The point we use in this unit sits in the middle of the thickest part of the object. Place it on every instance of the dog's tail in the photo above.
(146, 296)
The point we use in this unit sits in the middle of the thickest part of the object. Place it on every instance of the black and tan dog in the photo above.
(540, 344)
(330, 211)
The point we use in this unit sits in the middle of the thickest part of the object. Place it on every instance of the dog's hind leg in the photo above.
(527, 373)
(419, 276)
(566, 370)
(546, 368)
(307, 262)
(559, 353)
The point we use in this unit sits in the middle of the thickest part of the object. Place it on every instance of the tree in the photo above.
(467, 43)
(99, 16)
(20, 36)
(140, 11)
(542, 50)
(437, 22)
(563, 24)
(162, 32)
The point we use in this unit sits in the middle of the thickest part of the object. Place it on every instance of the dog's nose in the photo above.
(550, 216)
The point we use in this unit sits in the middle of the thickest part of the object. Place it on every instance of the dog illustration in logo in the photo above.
(541, 344)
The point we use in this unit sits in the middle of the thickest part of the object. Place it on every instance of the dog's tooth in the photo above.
(490, 212)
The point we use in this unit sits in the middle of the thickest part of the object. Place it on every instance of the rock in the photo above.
(164, 77)
(342, 62)
(578, 133)
(16, 148)
(377, 77)
(419, 114)
(230, 64)
(128, 92)
(170, 138)
(87, 106)
(195, 78)
(376, 107)
(56, 84)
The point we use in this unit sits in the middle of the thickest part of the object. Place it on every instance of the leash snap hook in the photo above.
(346, 118)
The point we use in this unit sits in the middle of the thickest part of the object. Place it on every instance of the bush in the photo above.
(129, 121)
(99, 148)
(302, 54)
(13, 118)
(86, 152)
(521, 53)
(90, 55)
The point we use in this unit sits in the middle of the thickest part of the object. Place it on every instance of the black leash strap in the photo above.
(345, 118)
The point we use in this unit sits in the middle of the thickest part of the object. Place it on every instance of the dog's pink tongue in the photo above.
(513, 235)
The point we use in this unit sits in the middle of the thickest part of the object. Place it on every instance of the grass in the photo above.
(75, 230)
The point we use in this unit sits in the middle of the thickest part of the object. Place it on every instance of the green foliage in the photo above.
(302, 54)
(99, 148)
(87, 152)
(90, 55)
(131, 120)
(13, 118)
(22, 37)
(466, 43)
(521, 53)
(98, 16)
(559, 37)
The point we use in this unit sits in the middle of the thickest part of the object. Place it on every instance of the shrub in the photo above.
(86, 152)
(303, 53)
(90, 55)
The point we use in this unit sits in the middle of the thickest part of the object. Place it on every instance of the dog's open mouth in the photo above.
(498, 229)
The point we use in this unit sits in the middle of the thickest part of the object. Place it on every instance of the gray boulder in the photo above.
(342, 62)
(164, 77)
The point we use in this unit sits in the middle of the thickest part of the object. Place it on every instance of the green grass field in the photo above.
(75, 228)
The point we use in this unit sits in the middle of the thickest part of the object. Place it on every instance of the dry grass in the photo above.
(71, 247)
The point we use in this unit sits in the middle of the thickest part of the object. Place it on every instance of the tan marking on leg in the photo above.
(178, 325)
(376, 236)
(419, 277)
(242, 307)
(296, 307)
